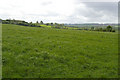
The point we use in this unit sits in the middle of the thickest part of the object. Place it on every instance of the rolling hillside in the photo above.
(33, 52)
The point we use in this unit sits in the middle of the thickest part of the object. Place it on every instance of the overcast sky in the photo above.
(60, 11)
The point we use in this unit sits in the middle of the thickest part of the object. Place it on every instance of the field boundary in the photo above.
(0, 49)
(119, 38)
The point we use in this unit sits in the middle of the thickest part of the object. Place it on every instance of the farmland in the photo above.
(34, 52)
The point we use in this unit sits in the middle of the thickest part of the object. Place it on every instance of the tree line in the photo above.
(20, 22)
(37, 24)
(53, 25)
(109, 28)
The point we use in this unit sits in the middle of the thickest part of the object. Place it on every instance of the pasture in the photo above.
(33, 52)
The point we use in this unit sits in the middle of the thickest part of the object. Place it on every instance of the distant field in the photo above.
(45, 26)
(33, 52)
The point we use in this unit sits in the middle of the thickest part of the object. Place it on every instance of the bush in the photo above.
(109, 28)
(113, 31)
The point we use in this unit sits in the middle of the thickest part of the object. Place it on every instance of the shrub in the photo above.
(113, 31)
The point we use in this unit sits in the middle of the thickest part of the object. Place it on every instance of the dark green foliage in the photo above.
(92, 28)
(104, 30)
(109, 28)
(51, 24)
(113, 30)
(47, 24)
(20, 22)
(41, 22)
(37, 22)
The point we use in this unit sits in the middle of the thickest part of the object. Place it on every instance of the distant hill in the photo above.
(91, 25)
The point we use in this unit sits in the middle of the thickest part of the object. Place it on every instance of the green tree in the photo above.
(47, 24)
(37, 22)
(51, 24)
(30, 24)
(41, 22)
(92, 28)
(109, 28)
(56, 24)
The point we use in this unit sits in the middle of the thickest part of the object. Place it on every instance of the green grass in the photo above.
(33, 52)
(45, 26)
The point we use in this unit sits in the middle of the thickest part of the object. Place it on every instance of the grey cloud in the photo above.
(110, 7)
(79, 1)
(98, 11)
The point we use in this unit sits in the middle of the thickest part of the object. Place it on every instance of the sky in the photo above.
(61, 11)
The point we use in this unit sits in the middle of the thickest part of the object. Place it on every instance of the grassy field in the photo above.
(33, 52)
(45, 26)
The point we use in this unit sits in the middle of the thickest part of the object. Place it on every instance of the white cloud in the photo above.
(61, 11)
